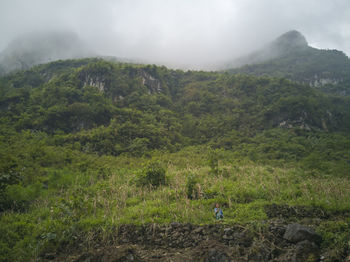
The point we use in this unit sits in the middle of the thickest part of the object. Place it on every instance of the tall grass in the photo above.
(86, 205)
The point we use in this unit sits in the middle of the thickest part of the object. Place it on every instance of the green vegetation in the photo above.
(153, 174)
(88, 145)
(192, 189)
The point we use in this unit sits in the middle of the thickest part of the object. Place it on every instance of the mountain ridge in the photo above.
(291, 57)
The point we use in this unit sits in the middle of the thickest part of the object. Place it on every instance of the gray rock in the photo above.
(296, 233)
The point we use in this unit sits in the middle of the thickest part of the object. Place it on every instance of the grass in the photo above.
(87, 205)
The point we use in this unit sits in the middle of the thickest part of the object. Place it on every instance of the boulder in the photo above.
(296, 233)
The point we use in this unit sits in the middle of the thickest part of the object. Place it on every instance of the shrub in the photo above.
(18, 197)
(191, 189)
(213, 162)
(153, 174)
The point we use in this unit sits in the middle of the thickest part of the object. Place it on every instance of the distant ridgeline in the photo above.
(113, 108)
(290, 56)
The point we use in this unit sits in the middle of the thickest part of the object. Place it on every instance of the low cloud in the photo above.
(192, 33)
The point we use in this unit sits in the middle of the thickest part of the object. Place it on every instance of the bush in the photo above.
(153, 174)
(18, 197)
(213, 162)
(192, 191)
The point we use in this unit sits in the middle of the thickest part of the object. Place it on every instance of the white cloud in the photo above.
(181, 31)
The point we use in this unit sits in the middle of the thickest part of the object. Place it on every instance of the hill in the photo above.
(89, 147)
(291, 57)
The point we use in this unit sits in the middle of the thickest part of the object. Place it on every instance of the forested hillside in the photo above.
(79, 138)
(108, 108)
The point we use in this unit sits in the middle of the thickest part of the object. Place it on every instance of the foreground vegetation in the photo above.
(85, 197)
(88, 145)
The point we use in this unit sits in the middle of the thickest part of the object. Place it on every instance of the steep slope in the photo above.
(290, 56)
(41, 47)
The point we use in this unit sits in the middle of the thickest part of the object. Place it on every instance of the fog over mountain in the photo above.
(42, 47)
(283, 45)
(185, 34)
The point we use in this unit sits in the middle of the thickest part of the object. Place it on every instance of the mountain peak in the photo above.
(285, 44)
(291, 39)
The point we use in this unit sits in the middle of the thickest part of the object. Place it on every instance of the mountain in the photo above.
(291, 57)
(41, 47)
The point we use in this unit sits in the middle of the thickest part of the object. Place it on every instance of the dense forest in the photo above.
(86, 145)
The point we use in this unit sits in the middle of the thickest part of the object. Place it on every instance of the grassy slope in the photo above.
(80, 206)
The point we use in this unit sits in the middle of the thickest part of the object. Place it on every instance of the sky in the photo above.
(180, 32)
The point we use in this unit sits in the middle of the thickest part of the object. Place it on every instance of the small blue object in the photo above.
(218, 213)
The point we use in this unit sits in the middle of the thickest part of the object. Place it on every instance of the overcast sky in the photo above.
(180, 32)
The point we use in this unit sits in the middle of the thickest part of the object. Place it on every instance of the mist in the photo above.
(180, 33)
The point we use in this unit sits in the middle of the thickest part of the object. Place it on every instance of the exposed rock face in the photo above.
(319, 81)
(104, 80)
(152, 83)
(303, 120)
(95, 82)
